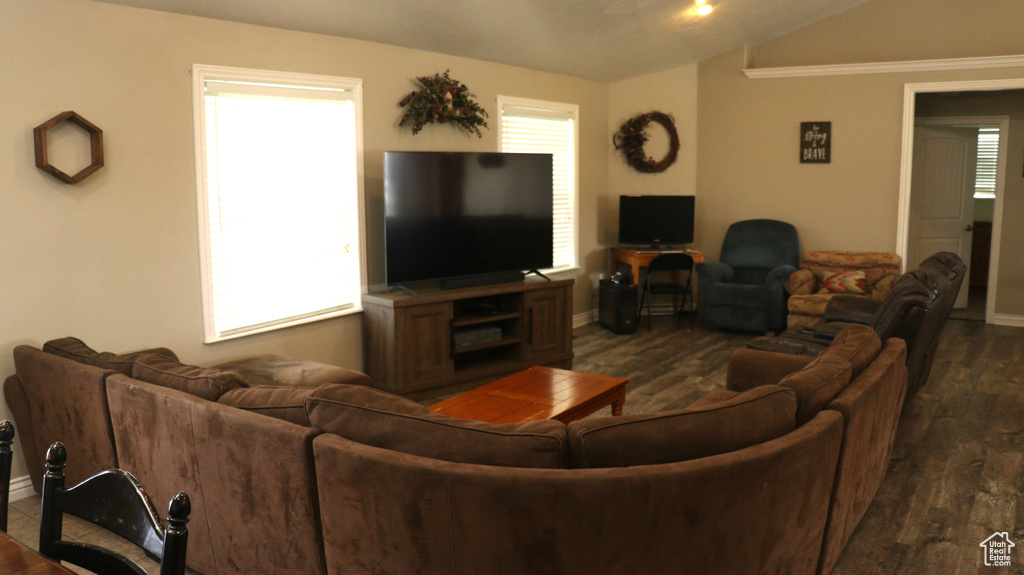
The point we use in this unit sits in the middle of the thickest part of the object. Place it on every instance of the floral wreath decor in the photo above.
(632, 136)
(441, 100)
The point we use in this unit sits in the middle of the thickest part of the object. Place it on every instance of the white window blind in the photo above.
(988, 160)
(551, 128)
(279, 178)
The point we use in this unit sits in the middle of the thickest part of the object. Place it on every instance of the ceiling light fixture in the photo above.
(703, 8)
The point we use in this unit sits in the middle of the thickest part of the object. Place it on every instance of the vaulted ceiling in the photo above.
(602, 40)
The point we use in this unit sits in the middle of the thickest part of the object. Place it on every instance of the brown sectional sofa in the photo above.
(870, 405)
(763, 477)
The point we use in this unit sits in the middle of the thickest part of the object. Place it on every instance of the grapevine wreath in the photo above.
(440, 100)
(632, 136)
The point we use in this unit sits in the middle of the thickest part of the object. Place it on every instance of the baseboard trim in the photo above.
(21, 488)
(588, 317)
(1008, 320)
(582, 319)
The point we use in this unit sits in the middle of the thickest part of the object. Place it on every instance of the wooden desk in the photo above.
(16, 559)
(537, 393)
(638, 258)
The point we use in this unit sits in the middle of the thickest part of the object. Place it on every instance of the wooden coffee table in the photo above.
(537, 393)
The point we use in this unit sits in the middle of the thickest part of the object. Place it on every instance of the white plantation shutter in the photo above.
(279, 190)
(988, 160)
(550, 128)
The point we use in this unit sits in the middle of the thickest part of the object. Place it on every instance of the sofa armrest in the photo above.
(282, 370)
(802, 282)
(713, 272)
(18, 404)
(883, 286)
(750, 368)
(852, 309)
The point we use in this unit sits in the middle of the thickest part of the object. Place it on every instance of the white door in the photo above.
(942, 195)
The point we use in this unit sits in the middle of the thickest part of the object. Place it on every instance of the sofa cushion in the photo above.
(817, 384)
(380, 419)
(845, 282)
(738, 295)
(75, 349)
(208, 383)
(766, 364)
(857, 344)
(713, 397)
(273, 369)
(282, 402)
(750, 276)
(755, 416)
(822, 263)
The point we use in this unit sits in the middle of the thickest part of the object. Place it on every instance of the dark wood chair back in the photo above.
(6, 439)
(114, 500)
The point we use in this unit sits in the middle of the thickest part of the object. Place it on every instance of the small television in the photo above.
(655, 221)
(466, 218)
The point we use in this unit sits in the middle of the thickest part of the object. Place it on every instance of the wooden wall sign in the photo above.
(815, 142)
(95, 144)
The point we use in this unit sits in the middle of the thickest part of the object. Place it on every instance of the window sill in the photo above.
(356, 308)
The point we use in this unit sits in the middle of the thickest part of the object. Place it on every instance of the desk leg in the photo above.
(696, 296)
(675, 297)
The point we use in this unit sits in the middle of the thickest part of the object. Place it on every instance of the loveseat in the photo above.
(825, 274)
(342, 478)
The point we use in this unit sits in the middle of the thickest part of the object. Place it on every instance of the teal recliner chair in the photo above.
(746, 289)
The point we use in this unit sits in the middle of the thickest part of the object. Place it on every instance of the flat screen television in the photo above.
(655, 221)
(469, 216)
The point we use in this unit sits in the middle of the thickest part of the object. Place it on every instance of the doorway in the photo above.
(956, 175)
(904, 239)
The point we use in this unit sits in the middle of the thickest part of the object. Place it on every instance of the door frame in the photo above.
(910, 92)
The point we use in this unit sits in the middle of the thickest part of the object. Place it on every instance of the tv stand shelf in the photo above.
(500, 343)
(409, 342)
(466, 320)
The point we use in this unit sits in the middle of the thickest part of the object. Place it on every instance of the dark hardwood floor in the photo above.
(957, 470)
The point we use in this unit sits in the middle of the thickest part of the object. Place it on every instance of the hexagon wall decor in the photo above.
(95, 139)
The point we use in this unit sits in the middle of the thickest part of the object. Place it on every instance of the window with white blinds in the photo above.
(279, 177)
(550, 128)
(988, 162)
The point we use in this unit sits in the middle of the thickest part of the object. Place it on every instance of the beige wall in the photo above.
(114, 260)
(748, 130)
(673, 92)
(898, 30)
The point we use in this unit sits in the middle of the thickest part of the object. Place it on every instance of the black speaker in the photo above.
(617, 306)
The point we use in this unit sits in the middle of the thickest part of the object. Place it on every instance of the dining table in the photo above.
(17, 559)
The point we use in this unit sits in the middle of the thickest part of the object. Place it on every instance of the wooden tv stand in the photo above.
(409, 341)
